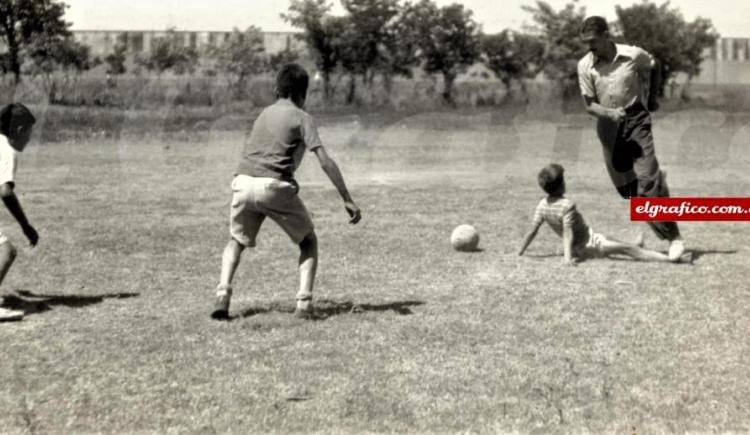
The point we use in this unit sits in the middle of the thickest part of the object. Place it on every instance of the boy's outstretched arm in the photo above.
(14, 207)
(529, 237)
(334, 174)
(568, 245)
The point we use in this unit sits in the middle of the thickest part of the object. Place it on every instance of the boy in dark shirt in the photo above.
(264, 186)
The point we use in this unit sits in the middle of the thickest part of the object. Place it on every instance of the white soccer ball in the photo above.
(465, 238)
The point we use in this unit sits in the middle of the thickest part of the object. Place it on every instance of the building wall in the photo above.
(728, 63)
(140, 42)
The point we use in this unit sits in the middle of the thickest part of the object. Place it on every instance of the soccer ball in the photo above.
(465, 238)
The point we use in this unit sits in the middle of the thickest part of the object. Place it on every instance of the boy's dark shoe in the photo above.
(221, 306)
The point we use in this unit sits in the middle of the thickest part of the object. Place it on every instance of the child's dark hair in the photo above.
(292, 81)
(594, 24)
(551, 178)
(15, 115)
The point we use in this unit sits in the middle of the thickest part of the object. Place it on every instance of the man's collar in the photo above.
(619, 51)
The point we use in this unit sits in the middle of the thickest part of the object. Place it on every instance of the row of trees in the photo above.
(373, 39)
(39, 42)
(391, 37)
(386, 38)
(35, 29)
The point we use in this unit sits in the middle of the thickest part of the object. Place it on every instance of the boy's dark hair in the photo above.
(551, 178)
(292, 81)
(594, 24)
(15, 115)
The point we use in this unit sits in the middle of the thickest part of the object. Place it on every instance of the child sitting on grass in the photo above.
(579, 241)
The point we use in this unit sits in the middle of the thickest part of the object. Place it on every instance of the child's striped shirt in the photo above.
(560, 212)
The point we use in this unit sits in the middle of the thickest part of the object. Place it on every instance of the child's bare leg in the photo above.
(308, 266)
(614, 247)
(7, 256)
(637, 241)
(230, 259)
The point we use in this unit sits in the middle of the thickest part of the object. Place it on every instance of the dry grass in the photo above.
(416, 337)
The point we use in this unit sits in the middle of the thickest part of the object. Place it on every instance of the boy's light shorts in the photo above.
(593, 246)
(3, 238)
(254, 198)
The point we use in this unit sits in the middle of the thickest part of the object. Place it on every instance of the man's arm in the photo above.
(588, 92)
(14, 207)
(529, 237)
(334, 174)
(593, 108)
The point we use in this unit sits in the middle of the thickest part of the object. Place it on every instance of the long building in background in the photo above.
(103, 42)
(727, 63)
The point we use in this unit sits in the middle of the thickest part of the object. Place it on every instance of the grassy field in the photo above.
(415, 337)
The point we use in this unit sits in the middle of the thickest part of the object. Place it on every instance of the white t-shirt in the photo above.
(8, 158)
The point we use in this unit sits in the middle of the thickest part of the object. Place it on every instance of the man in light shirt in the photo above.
(619, 84)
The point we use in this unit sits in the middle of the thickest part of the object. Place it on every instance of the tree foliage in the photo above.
(59, 62)
(447, 39)
(369, 39)
(662, 31)
(243, 56)
(320, 31)
(169, 53)
(24, 23)
(116, 60)
(513, 56)
(283, 57)
(559, 34)
(385, 37)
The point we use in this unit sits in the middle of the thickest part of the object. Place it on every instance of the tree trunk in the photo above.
(239, 87)
(387, 83)
(51, 90)
(350, 96)
(13, 48)
(685, 92)
(327, 86)
(524, 90)
(508, 83)
(448, 79)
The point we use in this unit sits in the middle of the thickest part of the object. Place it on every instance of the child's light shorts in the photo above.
(3, 238)
(254, 198)
(593, 246)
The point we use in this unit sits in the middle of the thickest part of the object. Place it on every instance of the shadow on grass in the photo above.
(325, 308)
(698, 253)
(470, 251)
(32, 303)
(542, 256)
